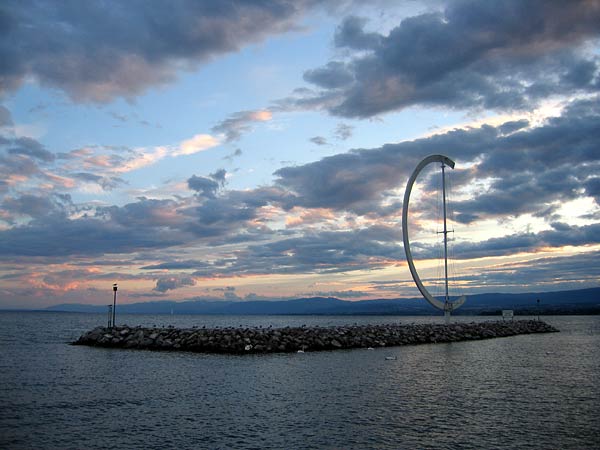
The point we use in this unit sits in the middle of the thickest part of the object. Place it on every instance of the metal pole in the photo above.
(109, 316)
(114, 303)
(447, 300)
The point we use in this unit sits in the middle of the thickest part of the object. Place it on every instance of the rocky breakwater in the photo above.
(268, 340)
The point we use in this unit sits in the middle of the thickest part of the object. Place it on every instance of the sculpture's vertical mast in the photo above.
(447, 298)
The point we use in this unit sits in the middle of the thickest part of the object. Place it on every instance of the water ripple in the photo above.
(535, 391)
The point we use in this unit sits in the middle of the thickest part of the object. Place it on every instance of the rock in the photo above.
(259, 340)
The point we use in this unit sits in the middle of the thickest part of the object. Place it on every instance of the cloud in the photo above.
(313, 252)
(241, 122)
(529, 169)
(318, 140)
(18, 168)
(85, 236)
(592, 188)
(517, 168)
(30, 147)
(351, 34)
(169, 283)
(147, 224)
(228, 293)
(177, 265)
(343, 131)
(198, 143)
(334, 75)
(337, 294)
(503, 55)
(32, 206)
(207, 186)
(138, 158)
(567, 272)
(560, 235)
(27, 164)
(5, 117)
(235, 154)
(95, 51)
(107, 183)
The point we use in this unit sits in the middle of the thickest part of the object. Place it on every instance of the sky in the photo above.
(244, 150)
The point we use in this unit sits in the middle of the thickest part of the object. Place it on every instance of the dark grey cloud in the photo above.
(336, 294)
(64, 277)
(501, 55)
(96, 50)
(549, 273)
(235, 154)
(351, 34)
(531, 169)
(5, 117)
(177, 265)
(343, 131)
(168, 283)
(360, 179)
(22, 158)
(25, 157)
(313, 252)
(318, 140)
(217, 217)
(528, 171)
(559, 236)
(204, 186)
(147, 224)
(85, 236)
(592, 188)
(17, 165)
(107, 183)
(30, 147)
(334, 75)
(31, 205)
(228, 292)
(208, 186)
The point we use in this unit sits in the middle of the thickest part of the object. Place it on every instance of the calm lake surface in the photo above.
(534, 391)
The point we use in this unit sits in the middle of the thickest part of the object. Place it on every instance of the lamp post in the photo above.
(114, 303)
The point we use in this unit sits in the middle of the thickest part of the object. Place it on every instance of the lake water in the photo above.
(533, 391)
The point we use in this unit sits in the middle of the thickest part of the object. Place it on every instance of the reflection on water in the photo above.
(534, 391)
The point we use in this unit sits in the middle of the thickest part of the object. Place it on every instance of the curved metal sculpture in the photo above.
(447, 306)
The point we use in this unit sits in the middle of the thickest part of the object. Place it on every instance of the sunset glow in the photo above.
(269, 160)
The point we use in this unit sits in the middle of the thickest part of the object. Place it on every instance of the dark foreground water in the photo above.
(534, 391)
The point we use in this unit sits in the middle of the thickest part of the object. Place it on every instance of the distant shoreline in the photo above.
(593, 311)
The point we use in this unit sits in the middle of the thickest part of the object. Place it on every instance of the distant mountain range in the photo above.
(583, 301)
